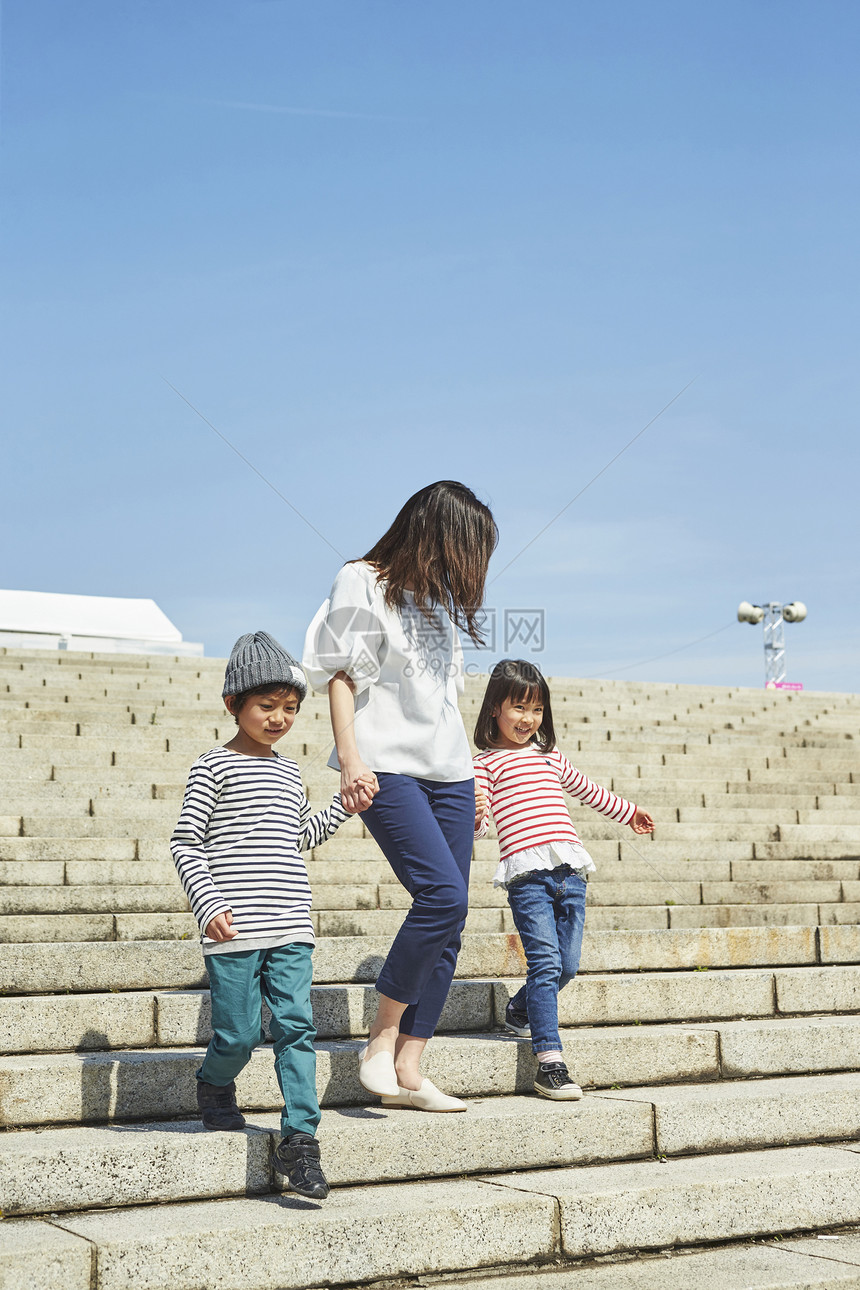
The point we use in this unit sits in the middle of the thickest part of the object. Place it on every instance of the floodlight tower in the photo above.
(774, 615)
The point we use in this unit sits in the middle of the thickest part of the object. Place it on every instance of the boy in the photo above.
(244, 821)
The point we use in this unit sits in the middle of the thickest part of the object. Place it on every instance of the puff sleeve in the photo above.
(348, 631)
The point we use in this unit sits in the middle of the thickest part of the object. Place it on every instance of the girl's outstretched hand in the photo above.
(642, 822)
(480, 807)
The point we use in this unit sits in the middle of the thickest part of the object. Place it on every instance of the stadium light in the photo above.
(773, 615)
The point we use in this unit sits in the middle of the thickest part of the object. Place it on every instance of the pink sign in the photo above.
(789, 685)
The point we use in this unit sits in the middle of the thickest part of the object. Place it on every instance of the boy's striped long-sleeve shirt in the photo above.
(237, 844)
(524, 794)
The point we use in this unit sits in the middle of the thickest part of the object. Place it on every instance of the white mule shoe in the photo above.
(426, 1098)
(376, 1073)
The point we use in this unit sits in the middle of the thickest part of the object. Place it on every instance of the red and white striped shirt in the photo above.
(524, 793)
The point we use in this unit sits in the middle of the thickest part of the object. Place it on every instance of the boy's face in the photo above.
(266, 718)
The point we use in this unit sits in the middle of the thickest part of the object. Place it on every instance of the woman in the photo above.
(385, 644)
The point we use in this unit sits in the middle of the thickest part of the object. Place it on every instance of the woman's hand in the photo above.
(358, 785)
(642, 822)
(221, 929)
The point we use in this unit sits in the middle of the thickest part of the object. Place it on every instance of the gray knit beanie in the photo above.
(258, 659)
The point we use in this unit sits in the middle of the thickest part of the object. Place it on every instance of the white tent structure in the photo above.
(106, 624)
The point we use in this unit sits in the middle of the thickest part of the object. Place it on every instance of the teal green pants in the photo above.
(239, 983)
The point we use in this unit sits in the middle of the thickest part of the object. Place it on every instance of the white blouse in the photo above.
(407, 673)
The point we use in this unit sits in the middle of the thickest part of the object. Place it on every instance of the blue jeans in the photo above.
(425, 830)
(549, 912)
(238, 984)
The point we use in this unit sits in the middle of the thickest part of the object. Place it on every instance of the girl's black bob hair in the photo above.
(515, 679)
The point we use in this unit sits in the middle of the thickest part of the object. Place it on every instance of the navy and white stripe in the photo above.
(236, 845)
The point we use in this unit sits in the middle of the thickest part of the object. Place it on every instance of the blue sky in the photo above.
(379, 243)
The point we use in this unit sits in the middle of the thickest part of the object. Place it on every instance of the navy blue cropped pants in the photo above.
(425, 830)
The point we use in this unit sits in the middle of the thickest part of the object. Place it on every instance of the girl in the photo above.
(385, 644)
(543, 865)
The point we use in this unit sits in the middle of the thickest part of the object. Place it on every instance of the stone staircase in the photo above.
(715, 1024)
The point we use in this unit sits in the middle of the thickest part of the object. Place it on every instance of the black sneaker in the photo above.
(298, 1159)
(517, 1022)
(218, 1107)
(553, 1080)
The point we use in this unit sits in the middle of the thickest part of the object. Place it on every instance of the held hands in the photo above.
(358, 787)
(221, 929)
(642, 822)
(480, 807)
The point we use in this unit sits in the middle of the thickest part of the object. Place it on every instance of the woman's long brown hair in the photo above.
(439, 546)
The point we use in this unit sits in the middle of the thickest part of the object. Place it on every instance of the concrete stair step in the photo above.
(165, 769)
(797, 850)
(811, 1262)
(723, 798)
(58, 863)
(81, 1168)
(89, 873)
(28, 928)
(517, 1219)
(795, 870)
(93, 899)
(101, 1086)
(97, 1087)
(782, 772)
(144, 924)
(47, 848)
(607, 1209)
(833, 811)
(744, 1114)
(148, 1016)
(674, 914)
(738, 892)
(800, 835)
(84, 826)
(847, 913)
(749, 915)
(117, 811)
(28, 795)
(765, 1045)
(141, 1015)
(52, 928)
(49, 791)
(771, 788)
(643, 848)
(153, 824)
(137, 965)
